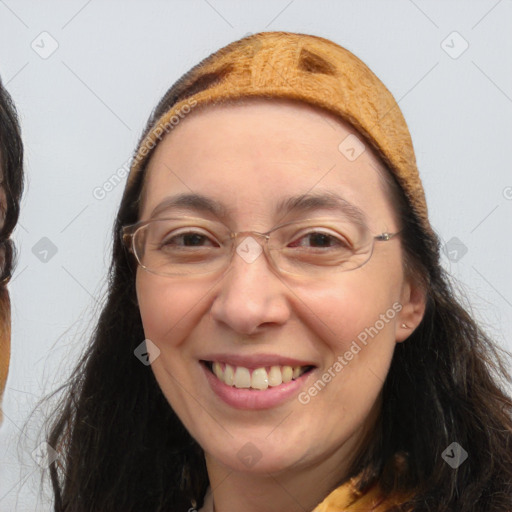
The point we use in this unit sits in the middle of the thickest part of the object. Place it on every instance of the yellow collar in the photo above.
(343, 499)
(346, 498)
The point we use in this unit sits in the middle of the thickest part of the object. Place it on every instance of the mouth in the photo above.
(257, 379)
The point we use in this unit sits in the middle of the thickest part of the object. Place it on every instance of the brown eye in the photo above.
(187, 239)
(319, 239)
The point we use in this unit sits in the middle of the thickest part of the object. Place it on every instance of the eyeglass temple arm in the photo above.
(383, 237)
(126, 237)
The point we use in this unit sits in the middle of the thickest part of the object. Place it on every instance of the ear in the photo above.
(413, 301)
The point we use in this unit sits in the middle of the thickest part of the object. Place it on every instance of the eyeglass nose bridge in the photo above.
(235, 236)
(249, 249)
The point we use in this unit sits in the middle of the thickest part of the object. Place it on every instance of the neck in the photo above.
(297, 489)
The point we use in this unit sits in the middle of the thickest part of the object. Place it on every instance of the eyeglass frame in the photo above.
(127, 234)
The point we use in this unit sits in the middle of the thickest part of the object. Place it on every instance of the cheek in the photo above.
(343, 311)
(356, 333)
(354, 322)
(169, 312)
(169, 309)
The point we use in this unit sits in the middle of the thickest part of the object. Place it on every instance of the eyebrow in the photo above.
(326, 200)
(196, 202)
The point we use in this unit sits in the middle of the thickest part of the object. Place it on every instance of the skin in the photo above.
(249, 157)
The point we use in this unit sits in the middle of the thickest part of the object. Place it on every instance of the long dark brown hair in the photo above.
(122, 447)
(11, 182)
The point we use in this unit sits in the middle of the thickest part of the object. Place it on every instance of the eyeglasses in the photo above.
(183, 246)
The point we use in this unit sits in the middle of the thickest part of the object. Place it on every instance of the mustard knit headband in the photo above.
(306, 68)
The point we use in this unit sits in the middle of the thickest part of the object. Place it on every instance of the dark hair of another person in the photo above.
(123, 447)
(11, 181)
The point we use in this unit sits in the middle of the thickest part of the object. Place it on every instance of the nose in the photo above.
(251, 294)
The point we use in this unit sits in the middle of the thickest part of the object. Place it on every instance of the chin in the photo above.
(253, 456)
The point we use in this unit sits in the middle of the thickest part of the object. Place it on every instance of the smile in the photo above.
(256, 379)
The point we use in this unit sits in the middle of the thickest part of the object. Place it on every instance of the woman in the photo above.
(11, 185)
(279, 333)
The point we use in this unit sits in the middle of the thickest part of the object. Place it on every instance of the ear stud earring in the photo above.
(405, 326)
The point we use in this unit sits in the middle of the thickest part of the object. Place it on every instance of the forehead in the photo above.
(257, 153)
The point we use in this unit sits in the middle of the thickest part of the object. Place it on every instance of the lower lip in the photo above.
(244, 398)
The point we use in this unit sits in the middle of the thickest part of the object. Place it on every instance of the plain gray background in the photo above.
(85, 76)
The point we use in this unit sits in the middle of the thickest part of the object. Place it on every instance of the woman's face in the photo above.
(249, 158)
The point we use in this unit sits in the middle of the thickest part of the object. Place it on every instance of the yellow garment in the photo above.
(345, 498)
(5, 340)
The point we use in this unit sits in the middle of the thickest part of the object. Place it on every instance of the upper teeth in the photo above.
(260, 378)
